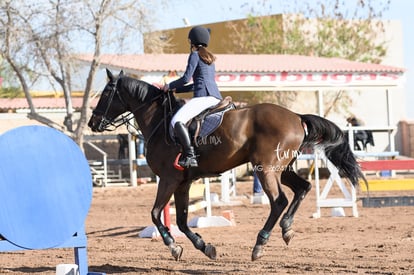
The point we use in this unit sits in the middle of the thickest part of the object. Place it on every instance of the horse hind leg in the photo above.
(181, 196)
(300, 187)
(278, 202)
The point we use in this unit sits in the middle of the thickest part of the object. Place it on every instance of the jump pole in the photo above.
(166, 212)
(166, 215)
(132, 157)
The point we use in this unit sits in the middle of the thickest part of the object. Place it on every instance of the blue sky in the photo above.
(203, 12)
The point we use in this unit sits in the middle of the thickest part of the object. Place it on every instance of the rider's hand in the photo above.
(166, 87)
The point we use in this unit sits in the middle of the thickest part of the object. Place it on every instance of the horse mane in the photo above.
(146, 93)
(138, 89)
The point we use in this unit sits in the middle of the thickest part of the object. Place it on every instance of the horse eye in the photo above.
(106, 92)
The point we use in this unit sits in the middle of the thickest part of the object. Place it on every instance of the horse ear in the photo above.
(121, 73)
(109, 74)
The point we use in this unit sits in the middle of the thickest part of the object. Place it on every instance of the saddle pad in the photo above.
(210, 123)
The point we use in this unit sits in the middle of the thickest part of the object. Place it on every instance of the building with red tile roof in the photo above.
(240, 63)
(249, 72)
(45, 103)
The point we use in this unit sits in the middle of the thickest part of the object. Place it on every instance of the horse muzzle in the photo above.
(97, 123)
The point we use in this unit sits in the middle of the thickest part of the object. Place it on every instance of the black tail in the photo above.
(330, 138)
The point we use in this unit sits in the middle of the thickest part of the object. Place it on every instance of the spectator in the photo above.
(363, 137)
(140, 146)
(257, 186)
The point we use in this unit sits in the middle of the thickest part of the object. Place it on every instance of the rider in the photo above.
(201, 68)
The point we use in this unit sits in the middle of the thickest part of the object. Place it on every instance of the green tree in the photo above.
(8, 87)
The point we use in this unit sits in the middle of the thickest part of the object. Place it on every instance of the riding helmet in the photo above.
(199, 36)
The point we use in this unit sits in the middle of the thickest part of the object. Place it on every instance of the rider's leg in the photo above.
(192, 108)
(188, 159)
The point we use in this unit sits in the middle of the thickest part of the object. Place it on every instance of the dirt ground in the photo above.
(379, 241)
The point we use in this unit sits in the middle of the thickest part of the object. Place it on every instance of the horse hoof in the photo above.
(176, 252)
(257, 253)
(288, 235)
(210, 251)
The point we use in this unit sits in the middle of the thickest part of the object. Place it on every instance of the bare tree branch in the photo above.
(43, 36)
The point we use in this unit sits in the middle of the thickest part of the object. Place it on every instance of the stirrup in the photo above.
(176, 165)
(187, 162)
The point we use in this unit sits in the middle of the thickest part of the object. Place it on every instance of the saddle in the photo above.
(209, 120)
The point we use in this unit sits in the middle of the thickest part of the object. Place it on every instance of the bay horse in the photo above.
(266, 135)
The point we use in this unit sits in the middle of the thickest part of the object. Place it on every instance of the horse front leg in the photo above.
(278, 202)
(164, 194)
(181, 197)
(300, 187)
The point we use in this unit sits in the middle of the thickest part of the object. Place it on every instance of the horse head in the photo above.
(110, 105)
(126, 94)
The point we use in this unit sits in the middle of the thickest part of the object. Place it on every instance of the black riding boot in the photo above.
(188, 158)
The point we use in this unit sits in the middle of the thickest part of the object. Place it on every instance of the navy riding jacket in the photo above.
(203, 76)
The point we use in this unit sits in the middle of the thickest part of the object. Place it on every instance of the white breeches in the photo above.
(193, 107)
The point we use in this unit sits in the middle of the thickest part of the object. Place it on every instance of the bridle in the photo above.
(112, 124)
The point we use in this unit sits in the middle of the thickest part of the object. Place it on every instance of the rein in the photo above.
(167, 113)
